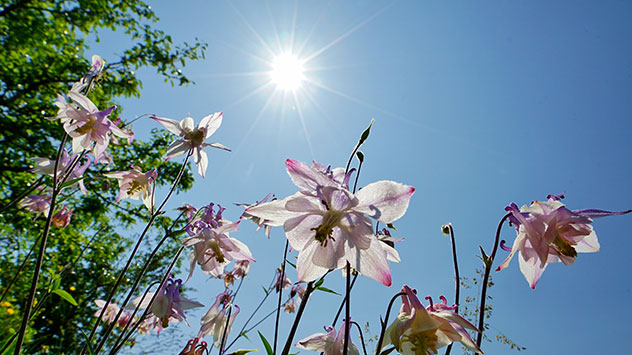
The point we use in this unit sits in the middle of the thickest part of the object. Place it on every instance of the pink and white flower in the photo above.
(419, 330)
(47, 167)
(214, 321)
(213, 248)
(169, 304)
(548, 232)
(38, 203)
(330, 226)
(62, 217)
(135, 184)
(192, 139)
(89, 128)
(258, 221)
(329, 343)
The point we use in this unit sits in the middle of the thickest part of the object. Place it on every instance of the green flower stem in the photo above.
(385, 322)
(278, 310)
(297, 319)
(129, 261)
(40, 257)
(457, 278)
(488, 268)
(345, 348)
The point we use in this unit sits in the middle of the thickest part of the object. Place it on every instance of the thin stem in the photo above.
(221, 345)
(488, 267)
(269, 289)
(129, 261)
(361, 336)
(344, 301)
(17, 274)
(259, 322)
(35, 185)
(120, 337)
(297, 319)
(345, 349)
(117, 348)
(42, 249)
(457, 278)
(355, 183)
(385, 322)
(278, 310)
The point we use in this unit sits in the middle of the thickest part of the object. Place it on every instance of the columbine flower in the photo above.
(47, 167)
(169, 304)
(192, 139)
(38, 203)
(62, 217)
(278, 284)
(259, 221)
(418, 330)
(213, 248)
(193, 348)
(329, 226)
(214, 321)
(95, 71)
(135, 184)
(111, 312)
(548, 232)
(87, 125)
(328, 343)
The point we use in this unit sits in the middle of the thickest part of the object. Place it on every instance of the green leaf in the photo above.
(245, 334)
(391, 226)
(70, 182)
(66, 296)
(291, 263)
(325, 289)
(264, 290)
(484, 257)
(265, 343)
(90, 349)
(318, 283)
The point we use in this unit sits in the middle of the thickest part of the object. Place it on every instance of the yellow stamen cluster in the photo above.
(196, 137)
(424, 342)
(564, 247)
(330, 220)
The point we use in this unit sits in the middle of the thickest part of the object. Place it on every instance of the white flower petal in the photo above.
(384, 200)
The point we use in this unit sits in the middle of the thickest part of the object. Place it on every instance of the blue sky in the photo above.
(476, 105)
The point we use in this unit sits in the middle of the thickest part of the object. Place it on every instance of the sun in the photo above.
(287, 72)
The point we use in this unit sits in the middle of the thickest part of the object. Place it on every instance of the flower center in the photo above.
(330, 220)
(564, 247)
(134, 187)
(87, 127)
(196, 137)
(214, 246)
(423, 342)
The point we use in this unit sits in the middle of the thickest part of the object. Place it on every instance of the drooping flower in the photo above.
(296, 297)
(418, 330)
(213, 248)
(93, 74)
(214, 322)
(191, 138)
(193, 348)
(110, 313)
(135, 184)
(89, 128)
(62, 217)
(38, 203)
(47, 167)
(330, 226)
(329, 343)
(281, 284)
(548, 232)
(258, 221)
(188, 210)
(169, 304)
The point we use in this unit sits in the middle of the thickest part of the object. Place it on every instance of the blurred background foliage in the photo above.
(44, 49)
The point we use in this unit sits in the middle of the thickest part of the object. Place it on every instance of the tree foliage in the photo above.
(44, 49)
